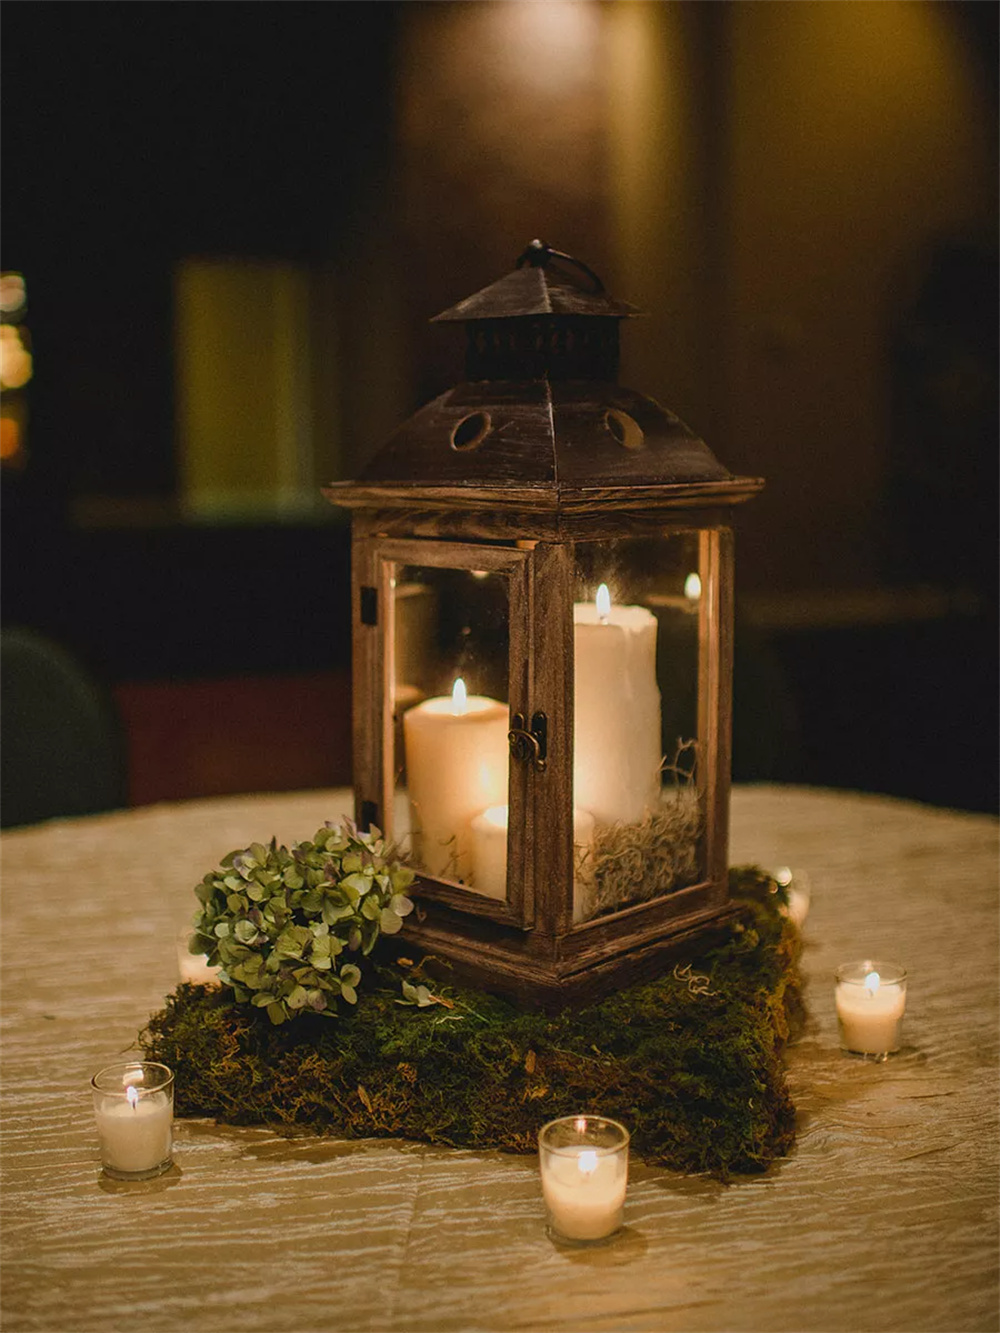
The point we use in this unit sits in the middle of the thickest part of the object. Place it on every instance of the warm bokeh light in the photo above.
(548, 44)
(15, 359)
(13, 294)
(10, 439)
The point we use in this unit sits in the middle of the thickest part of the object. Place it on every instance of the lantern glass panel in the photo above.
(448, 664)
(640, 620)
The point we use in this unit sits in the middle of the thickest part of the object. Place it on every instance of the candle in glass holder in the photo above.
(583, 1162)
(871, 1000)
(134, 1111)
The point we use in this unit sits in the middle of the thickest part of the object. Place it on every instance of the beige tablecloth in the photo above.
(884, 1217)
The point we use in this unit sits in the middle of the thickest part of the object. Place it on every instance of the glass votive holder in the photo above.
(583, 1160)
(134, 1110)
(871, 999)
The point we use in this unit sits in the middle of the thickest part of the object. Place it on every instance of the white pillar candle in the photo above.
(134, 1111)
(584, 1169)
(871, 1000)
(616, 748)
(489, 852)
(457, 757)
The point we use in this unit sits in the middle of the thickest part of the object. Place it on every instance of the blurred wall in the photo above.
(801, 196)
(768, 181)
(860, 136)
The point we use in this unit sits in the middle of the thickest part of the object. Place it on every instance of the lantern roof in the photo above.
(535, 287)
(540, 417)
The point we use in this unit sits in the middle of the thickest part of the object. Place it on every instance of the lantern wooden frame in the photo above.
(529, 946)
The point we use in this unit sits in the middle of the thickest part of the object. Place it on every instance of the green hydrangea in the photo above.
(282, 925)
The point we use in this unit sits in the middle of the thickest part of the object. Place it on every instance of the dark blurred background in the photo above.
(226, 225)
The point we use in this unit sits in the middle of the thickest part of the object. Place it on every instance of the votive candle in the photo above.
(871, 999)
(583, 1162)
(134, 1111)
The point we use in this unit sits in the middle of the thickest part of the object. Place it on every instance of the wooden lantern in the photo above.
(542, 645)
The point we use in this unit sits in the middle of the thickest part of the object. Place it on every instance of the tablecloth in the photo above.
(883, 1217)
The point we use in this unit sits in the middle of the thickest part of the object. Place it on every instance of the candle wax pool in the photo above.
(870, 1021)
(135, 1138)
(582, 1204)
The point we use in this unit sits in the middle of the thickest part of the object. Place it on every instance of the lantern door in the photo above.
(649, 705)
(443, 654)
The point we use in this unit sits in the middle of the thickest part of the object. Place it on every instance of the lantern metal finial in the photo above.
(539, 253)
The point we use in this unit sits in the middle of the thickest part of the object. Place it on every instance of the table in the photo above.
(884, 1217)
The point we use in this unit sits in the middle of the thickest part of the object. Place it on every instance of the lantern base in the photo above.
(501, 964)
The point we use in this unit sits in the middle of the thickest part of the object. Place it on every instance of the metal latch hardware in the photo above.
(529, 746)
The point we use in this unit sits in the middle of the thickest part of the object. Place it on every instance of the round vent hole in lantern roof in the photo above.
(624, 429)
(470, 432)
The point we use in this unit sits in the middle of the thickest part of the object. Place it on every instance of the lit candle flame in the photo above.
(132, 1096)
(459, 697)
(603, 604)
(692, 587)
(872, 983)
(587, 1163)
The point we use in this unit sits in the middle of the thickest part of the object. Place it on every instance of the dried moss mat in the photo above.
(691, 1061)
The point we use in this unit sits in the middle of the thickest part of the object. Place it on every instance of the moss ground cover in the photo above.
(691, 1061)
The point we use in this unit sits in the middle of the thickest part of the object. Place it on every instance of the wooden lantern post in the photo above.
(542, 646)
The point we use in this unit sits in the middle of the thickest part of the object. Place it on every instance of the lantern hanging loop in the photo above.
(538, 253)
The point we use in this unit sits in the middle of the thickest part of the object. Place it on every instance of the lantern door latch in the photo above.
(529, 745)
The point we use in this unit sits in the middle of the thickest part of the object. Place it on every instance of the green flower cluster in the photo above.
(275, 922)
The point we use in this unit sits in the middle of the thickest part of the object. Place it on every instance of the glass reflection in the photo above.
(451, 713)
(635, 756)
